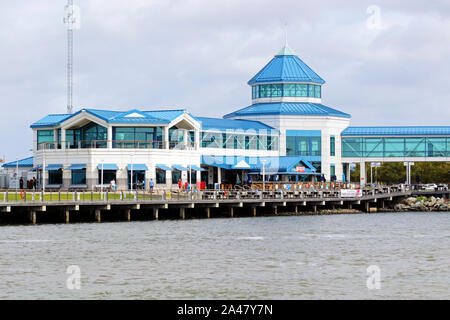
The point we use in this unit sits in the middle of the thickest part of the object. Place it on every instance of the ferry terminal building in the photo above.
(287, 134)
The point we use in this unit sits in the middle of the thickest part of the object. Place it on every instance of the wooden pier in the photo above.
(66, 207)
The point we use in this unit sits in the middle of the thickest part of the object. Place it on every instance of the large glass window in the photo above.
(79, 176)
(55, 176)
(45, 136)
(108, 176)
(138, 137)
(238, 141)
(286, 90)
(316, 146)
(332, 172)
(138, 179)
(373, 147)
(160, 176)
(332, 146)
(395, 147)
(303, 146)
(176, 176)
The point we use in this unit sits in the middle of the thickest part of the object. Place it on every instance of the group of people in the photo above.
(31, 184)
(113, 185)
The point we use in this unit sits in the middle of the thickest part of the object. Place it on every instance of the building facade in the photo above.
(286, 134)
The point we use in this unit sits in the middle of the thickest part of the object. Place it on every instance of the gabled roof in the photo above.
(26, 162)
(224, 124)
(50, 120)
(288, 108)
(397, 131)
(111, 116)
(286, 67)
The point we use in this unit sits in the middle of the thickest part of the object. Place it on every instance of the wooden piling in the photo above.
(33, 217)
(127, 214)
(155, 213)
(254, 211)
(231, 212)
(66, 216)
(98, 216)
(182, 214)
(208, 212)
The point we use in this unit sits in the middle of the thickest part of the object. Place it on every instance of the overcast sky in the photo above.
(389, 65)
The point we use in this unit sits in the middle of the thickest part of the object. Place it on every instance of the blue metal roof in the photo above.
(111, 116)
(26, 162)
(397, 131)
(168, 115)
(287, 108)
(286, 67)
(224, 124)
(50, 120)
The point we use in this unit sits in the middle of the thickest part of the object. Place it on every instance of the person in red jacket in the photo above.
(179, 184)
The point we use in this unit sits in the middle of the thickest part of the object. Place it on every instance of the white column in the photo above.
(55, 138)
(197, 139)
(63, 139)
(185, 138)
(110, 137)
(362, 173)
(166, 137)
(219, 175)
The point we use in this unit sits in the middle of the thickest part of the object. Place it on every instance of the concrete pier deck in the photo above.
(65, 207)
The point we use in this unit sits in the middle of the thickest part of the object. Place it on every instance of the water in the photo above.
(297, 257)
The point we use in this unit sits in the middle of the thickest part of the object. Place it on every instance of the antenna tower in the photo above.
(70, 21)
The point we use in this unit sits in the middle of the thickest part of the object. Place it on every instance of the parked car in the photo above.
(430, 187)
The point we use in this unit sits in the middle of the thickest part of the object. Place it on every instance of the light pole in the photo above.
(264, 174)
(17, 174)
(131, 173)
(101, 181)
(43, 168)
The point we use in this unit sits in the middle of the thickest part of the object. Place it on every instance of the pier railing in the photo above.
(186, 195)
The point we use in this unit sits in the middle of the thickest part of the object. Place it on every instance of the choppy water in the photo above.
(297, 257)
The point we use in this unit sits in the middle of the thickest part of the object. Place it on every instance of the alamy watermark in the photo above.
(374, 19)
(73, 282)
(374, 279)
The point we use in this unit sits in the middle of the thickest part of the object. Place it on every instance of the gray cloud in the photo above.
(199, 54)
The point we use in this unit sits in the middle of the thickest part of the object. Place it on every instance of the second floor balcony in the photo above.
(117, 144)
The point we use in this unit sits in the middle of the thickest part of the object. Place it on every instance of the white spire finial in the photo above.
(285, 35)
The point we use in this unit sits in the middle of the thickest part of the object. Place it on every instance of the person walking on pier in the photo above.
(151, 184)
(21, 183)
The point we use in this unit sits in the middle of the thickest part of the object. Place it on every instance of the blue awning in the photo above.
(108, 166)
(39, 166)
(77, 166)
(163, 167)
(137, 167)
(52, 167)
(197, 168)
(179, 167)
